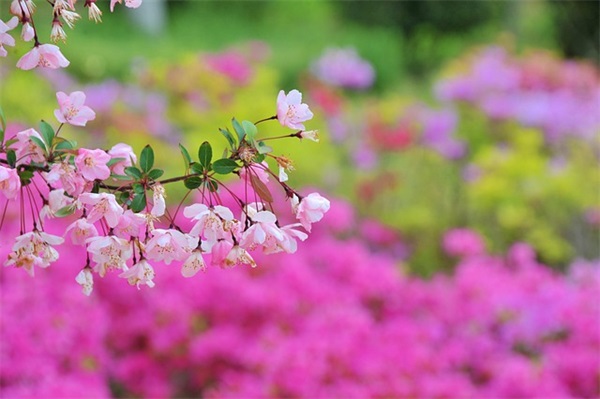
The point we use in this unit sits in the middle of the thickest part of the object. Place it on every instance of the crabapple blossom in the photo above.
(34, 249)
(291, 112)
(94, 13)
(109, 253)
(26, 149)
(5, 38)
(125, 152)
(238, 256)
(58, 33)
(81, 230)
(193, 264)
(128, 3)
(158, 196)
(289, 243)
(263, 232)
(56, 200)
(140, 273)
(43, 56)
(92, 164)
(86, 280)
(27, 33)
(170, 245)
(22, 9)
(130, 224)
(64, 175)
(310, 209)
(213, 223)
(102, 206)
(72, 110)
(10, 183)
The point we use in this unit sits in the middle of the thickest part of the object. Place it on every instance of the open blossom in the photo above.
(5, 38)
(72, 110)
(64, 175)
(34, 249)
(10, 183)
(289, 243)
(109, 253)
(56, 201)
(238, 256)
(213, 223)
(43, 56)
(311, 209)
(193, 264)
(86, 280)
(127, 157)
(26, 149)
(291, 112)
(128, 3)
(169, 245)
(263, 232)
(81, 230)
(102, 205)
(92, 164)
(140, 273)
(130, 224)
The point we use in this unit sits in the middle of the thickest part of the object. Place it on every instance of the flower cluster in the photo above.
(125, 226)
(351, 326)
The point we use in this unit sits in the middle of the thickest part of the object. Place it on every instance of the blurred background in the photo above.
(460, 258)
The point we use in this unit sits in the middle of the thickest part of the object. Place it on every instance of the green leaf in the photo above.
(239, 130)
(205, 154)
(155, 173)
(263, 148)
(133, 172)
(2, 123)
(147, 158)
(123, 197)
(25, 176)
(187, 160)
(11, 157)
(66, 145)
(65, 211)
(47, 133)
(138, 188)
(261, 189)
(213, 185)
(229, 137)
(138, 203)
(119, 177)
(39, 143)
(193, 182)
(224, 166)
(197, 168)
(259, 158)
(250, 129)
(114, 161)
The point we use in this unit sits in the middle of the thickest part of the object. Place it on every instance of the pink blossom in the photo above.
(291, 112)
(86, 280)
(158, 197)
(72, 110)
(193, 264)
(109, 253)
(310, 135)
(310, 209)
(239, 256)
(140, 273)
(26, 149)
(56, 201)
(43, 56)
(125, 152)
(128, 3)
(5, 38)
(130, 224)
(34, 249)
(10, 183)
(213, 223)
(81, 230)
(219, 252)
(290, 234)
(169, 245)
(102, 205)
(92, 164)
(263, 232)
(64, 175)
(27, 32)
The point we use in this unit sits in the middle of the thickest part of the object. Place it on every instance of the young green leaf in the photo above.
(263, 148)
(227, 134)
(155, 173)
(193, 182)
(250, 129)
(187, 160)
(205, 154)
(65, 211)
(197, 168)
(261, 189)
(65, 145)
(224, 166)
(138, 203)
(39, 143)
(47, 133)
(239, 130)
(113, 161)
(11, 157)
(133, 172)
(147, 158)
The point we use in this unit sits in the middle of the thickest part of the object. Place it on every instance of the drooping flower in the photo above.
(43, 56)
(310, 135)
(239, 256)
(27, 33)
(263, 232)
(213, 223)
(56, 201)
(193, 264)
(109, 253)
(81, 230)
(291, 112)
(140, 273)
(57, 33)
(92, 164)
(170, 245)
(5, 38)
(130, 224)
(86, 280)
(64, 175)
(310, 209)
(26, 149)
(94, 13)
(72, 110)
(10, 183)
(128, 3)
(102, 205)
(34, 249)
(158, 196)
(127, 156)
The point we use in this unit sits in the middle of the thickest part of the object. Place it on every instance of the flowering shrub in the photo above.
(350, 326)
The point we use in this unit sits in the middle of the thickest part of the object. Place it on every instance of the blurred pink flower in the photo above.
(463, 243)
